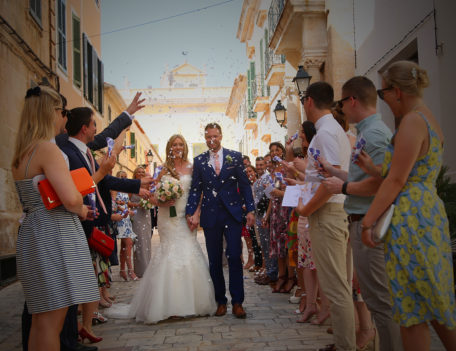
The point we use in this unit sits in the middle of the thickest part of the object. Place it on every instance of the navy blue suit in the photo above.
(221, 215)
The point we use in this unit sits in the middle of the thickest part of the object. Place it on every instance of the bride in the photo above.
(176, 281)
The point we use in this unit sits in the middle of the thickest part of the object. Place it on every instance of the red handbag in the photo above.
(81, 178)
(101, 243)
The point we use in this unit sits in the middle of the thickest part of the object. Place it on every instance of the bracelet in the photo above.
(344, 188)
(296, 174)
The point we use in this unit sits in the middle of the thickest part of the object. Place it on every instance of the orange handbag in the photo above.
(81, 178)
(101, 242)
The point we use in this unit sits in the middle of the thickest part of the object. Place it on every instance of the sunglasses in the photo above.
(304, 98)
(340, 103)
(64, 112)
(381, 92)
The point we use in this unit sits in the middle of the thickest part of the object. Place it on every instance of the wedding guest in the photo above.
(57, 250)
(261, 206)
(81, 128)
(327, 218)
(418, 252)
(142, 227)
(255, 255)
(124, 229)
(358, 104)
(246, 160)
(278, 223)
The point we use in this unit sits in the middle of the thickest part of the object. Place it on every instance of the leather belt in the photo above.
(354, 217)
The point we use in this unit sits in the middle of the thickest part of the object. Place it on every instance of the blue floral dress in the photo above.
(417, 251)
(124, 227)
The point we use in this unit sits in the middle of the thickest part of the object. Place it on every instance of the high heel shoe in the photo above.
(132, 276)
(104, 303)
(84, 334)
(289, 285)
(123, 274)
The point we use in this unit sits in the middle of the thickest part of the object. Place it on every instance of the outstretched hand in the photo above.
(364, 161)
(135, 104)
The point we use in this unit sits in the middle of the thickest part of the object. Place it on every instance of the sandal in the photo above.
(98, 318)
(133, 276)
(123, 274)
(289, 285)
(280, 283)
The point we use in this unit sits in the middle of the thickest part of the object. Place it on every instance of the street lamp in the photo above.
(280, 113)
(149, 156)
(302, 80)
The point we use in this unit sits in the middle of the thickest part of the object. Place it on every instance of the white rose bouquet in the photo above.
(169, 189)
(146, 204)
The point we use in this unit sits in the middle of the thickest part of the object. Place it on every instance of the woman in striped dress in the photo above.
(53, 260)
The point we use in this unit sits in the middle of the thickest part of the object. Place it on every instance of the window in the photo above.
(93, 75)
(61, 33)
(132, 141)
(76, 51)
(35, 10)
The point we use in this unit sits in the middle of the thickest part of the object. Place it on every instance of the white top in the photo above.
(334, 146)
(83, 148)
(212, 158)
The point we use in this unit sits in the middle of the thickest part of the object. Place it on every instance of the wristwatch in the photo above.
(344, 188)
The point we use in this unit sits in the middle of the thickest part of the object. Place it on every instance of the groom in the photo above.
(218, 174)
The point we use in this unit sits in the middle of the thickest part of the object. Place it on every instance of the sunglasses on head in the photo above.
(381, 92)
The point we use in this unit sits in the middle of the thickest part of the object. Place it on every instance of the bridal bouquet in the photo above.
(169, 189)
(146, 204)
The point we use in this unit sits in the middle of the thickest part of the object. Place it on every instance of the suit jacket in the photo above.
(230, 189)
(104, 186)
(112, 131)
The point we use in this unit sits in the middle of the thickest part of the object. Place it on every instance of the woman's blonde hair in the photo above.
(119, 173)
(37, 121)
(407, 76)
(135, 172)
(169, 163)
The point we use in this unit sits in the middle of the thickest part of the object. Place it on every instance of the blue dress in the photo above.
(417, 251)
(124, 227)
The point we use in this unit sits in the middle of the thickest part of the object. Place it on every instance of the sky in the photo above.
(205, 39)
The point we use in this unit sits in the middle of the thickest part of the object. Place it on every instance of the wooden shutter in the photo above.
(95, 78)
(132, 141)
(100, 85)
(76, 51)
(85, 66)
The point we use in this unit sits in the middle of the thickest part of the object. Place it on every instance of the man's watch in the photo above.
(344, 188)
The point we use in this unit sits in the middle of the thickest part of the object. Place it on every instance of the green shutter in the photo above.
(76, 51)
(132, 141)
(262, 67)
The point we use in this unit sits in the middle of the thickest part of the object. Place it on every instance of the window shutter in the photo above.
(85, 66)
(132, 141)
(100, 85)
(95, 78)
(76, 52)
(89, 72)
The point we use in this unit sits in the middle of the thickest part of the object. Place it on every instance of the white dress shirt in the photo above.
(212, 158)
(83, 148)
(334, 146)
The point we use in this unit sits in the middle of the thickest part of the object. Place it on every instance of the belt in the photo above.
(354, 217)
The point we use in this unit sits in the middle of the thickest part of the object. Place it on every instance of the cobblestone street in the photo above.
(270, 324)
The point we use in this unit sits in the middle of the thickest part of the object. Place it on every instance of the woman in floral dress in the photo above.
(417, 245)
(125, 230)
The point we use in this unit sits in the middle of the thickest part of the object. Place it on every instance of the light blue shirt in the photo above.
(377, 136)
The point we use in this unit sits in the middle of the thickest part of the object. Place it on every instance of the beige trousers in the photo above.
(329, 236)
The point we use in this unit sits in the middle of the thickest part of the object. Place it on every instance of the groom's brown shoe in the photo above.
(238, 311)
(221, 310)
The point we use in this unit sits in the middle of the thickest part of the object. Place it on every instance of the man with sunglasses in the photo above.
(358, 103)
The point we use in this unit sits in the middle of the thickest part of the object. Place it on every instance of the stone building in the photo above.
(184, 104)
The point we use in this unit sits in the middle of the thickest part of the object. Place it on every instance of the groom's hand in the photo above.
(250, 219)
(189, 221)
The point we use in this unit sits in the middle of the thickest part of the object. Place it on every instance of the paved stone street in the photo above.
(270, 325)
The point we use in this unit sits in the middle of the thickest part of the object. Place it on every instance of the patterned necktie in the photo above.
(217, 164)
(92, 164)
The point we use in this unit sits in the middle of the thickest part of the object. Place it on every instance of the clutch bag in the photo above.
(81, 178)
(101, 243)
(381, 226)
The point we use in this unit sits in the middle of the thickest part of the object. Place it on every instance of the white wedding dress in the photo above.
(177, 280)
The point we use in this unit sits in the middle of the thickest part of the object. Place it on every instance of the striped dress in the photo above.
(53, 259)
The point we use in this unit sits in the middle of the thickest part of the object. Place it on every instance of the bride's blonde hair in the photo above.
(169, 163)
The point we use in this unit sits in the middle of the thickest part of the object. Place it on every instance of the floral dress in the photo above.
(417, 247)
(124, 227)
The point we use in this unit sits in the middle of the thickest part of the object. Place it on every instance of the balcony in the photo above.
(260, 95)
(250, 120)
(274, 13)
(274, 67)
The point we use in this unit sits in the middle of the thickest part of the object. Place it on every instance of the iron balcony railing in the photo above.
(274, 13)
(272, 59)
